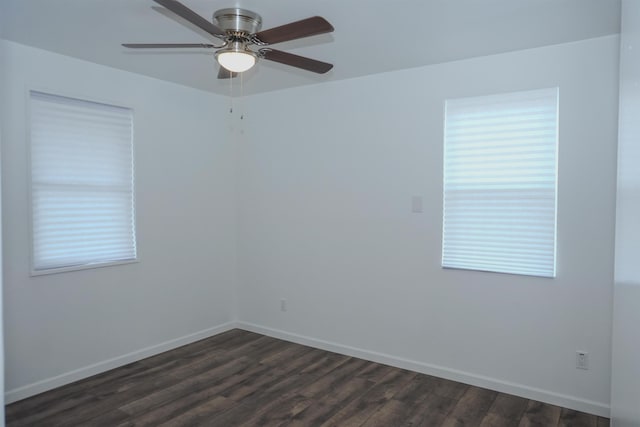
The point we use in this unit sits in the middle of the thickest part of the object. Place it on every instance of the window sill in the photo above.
(48, 271)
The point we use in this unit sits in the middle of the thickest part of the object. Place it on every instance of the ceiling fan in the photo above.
(239, 29)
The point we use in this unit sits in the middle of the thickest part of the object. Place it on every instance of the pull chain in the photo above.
(242, 94)
(230, 92)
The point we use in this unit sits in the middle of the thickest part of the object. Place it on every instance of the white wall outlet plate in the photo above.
(582, 360)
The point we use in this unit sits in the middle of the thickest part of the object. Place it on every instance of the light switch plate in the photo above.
(416, 204)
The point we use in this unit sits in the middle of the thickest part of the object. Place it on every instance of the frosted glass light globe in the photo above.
(237, 62)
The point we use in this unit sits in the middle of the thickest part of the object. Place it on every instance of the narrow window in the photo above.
(82, 199)
(500, 180)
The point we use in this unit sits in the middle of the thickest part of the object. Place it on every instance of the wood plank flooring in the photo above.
(241, 378)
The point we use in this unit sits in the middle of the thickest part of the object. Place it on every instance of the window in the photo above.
(82, 200)
(500, 179)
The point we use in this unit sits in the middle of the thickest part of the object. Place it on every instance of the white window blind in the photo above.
(500, 179)
(82, 196)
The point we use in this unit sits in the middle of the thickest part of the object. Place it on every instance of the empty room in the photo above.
(320, 213)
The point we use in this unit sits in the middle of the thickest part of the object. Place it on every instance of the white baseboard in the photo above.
(571, 402)
(103, 366)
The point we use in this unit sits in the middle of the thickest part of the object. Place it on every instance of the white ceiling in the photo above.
(371, 36)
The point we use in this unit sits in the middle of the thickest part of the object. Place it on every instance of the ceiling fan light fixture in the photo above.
(236, 58)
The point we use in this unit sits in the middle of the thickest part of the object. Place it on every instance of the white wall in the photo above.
(64, 326)
(327, 174)
(2, 68)
(325, 179)
(625, 394)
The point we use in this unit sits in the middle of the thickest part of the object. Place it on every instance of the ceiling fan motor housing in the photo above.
(238, 20)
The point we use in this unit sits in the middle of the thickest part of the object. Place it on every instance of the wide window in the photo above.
(500, 180)
(82, 199)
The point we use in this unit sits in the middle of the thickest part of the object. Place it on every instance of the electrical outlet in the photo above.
(582, 360)
(283, 305)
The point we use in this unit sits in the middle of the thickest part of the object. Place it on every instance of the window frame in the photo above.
(554, 272)
(33, 272)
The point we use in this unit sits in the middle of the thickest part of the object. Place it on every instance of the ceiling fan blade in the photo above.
(188, 14)
(295, 60)
(166, 45)
(295, 30)
(223, 73)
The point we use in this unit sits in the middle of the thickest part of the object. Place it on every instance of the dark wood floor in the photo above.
(241, 378)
